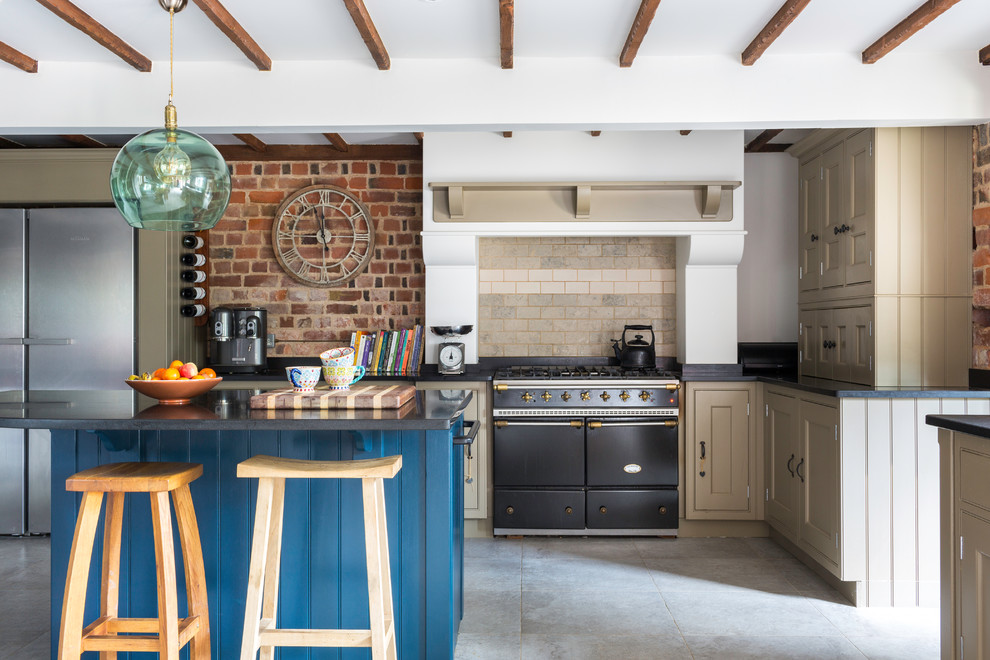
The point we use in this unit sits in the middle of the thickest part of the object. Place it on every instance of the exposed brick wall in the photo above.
(981, 255)
(307, 320)
(572, 296)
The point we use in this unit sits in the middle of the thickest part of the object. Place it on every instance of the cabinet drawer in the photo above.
(974, 487)
(539, 509)
(632, 509)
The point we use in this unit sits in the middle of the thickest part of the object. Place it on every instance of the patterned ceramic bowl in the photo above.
(338, 357)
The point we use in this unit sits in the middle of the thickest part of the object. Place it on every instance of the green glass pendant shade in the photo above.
(170, 180)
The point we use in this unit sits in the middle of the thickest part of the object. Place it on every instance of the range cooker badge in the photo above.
(632, 468)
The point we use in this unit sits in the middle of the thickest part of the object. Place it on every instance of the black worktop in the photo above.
(978, 425)
(215, 410)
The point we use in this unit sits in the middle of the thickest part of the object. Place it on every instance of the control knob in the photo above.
(605, 396)
(546, 396)
(586, 395)
(645, 396)
(566, 396)
(527, 397)
(624, 396)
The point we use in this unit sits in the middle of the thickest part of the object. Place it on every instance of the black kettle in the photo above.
(636, 354)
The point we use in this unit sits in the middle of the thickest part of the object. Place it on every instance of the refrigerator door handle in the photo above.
(11, 341)
(47, 342)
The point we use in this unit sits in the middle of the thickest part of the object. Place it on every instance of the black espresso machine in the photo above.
(238, 337)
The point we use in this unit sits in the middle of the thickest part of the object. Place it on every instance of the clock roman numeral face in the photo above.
(323, 236)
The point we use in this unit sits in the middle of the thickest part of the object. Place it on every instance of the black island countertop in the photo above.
(978, 425)
(215, 410)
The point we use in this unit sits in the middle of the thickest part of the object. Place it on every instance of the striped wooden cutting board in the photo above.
(359, 396)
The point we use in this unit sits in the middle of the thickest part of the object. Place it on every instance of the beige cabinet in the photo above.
(837, 343)
(722, 465)
(477, 466)
(884, 229)
(965, 543)
(801, 439)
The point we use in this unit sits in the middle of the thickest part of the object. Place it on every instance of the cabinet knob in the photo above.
(509, 510)
(603, 510)
(814, 237)
(568, 510)
(662, 510)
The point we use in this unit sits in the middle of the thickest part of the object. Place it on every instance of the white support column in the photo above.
(451, 289)
(707, 317)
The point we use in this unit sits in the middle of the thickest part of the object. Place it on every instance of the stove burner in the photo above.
(563, 372)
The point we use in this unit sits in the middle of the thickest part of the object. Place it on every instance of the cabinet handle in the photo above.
(702, 472)
(789, 466)
(702, 450)
(814, 237)
(798, 470)
(844, 228)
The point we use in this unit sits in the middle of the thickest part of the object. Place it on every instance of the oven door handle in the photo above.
(574, 423)
(669, 423)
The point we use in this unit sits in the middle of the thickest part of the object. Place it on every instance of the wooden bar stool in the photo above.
(266, 547)
(167, 633)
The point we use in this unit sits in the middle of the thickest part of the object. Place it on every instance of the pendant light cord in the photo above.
(171, 46)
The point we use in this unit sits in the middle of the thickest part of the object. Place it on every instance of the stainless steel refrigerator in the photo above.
(66, 323)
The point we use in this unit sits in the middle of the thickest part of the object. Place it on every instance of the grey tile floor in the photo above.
(627, 599)
(598, 599)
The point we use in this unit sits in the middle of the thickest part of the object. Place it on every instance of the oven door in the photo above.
(632, 452)
(536, 453)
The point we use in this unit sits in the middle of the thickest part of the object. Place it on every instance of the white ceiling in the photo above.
(437, 40)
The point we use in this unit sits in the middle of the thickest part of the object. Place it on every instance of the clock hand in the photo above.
(323, 229)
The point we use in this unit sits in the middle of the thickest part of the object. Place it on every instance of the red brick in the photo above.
(246, 252)
(387, 182)
(356, 183)
(267, 197)
(237, 196)
(403, 210)
(413, 183)
(242, 267)
(387, 168)
(981, 257)
(359, 167)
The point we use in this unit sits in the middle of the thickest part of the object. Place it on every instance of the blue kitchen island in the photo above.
(323, 581)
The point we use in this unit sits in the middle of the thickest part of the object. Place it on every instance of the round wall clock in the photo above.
(323, 236)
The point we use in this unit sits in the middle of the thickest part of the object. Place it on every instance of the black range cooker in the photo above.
(585, 450)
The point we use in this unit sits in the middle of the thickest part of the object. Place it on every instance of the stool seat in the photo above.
(134, 477)
(296, 468)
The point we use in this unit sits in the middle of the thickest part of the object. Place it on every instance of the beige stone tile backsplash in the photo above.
(571, 296)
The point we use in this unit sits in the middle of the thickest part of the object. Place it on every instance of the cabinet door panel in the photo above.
(780, 436)
(721, 446)
(833, 214)
(857, 347)
(807, 353)
(974, 586)
(824, 337)
(860, 204)
(819, 469)
(809, 225)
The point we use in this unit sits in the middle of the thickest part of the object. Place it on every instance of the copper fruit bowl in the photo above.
(174, 392)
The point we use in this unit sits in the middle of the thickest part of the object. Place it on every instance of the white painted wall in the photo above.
(766, 274)
(706, 286)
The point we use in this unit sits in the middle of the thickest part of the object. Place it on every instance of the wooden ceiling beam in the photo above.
(222, 18)
(337, 142)
(362, 20)
(901, 32)
(647, 10)
(784, 16)
(506, 134)
(685, 132)
(82, 21)
(506, 22)
(232, 152)
(596, 133)
(83, 141)
(761, 141)
(15, 57)
(419, 138)
(985, 55)
(10, 144)
(252, 141)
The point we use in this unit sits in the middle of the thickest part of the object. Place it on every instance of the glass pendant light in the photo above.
(170, 179)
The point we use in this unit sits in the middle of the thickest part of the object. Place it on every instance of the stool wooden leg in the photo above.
(168, 609)
(192, 561)
(110, 581)
(74, 599)
(379, 580)
(269, 607)
(257, 569)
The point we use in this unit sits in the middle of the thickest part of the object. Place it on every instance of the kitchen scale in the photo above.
(450, 358)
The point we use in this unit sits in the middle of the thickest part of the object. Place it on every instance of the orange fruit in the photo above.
(176, 364)
(207, 373)
(171, 374)
(159, 374)
(197, 377)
